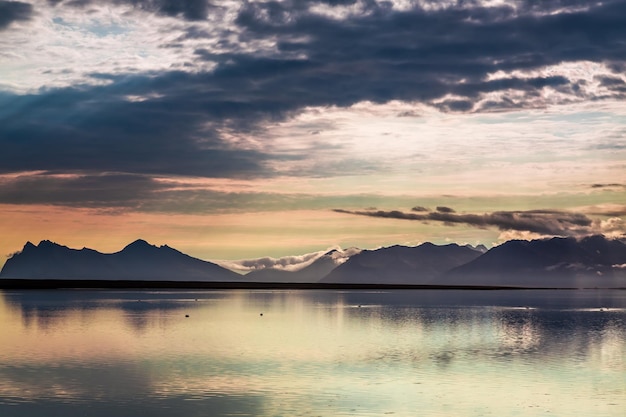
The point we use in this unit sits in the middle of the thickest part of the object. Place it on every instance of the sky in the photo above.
(273, 129)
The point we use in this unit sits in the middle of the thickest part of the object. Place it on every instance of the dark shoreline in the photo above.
(50, 284)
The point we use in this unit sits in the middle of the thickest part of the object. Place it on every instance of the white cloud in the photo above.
(399, 146)
(614, 227)
(61, 46)
(288, 263)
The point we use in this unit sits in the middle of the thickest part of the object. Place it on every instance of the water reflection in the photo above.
(268, 353)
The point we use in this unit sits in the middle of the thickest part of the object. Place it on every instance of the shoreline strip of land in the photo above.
(51, 284)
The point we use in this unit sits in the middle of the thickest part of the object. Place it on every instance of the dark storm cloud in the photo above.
(98, 129)
(119, 191)
(423, 55)
(13, 11)
(418, 54)
(104, 190)
(544, 222)
(188, 9)
(172, 122)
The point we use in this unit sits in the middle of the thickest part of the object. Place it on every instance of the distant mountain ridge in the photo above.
(137, 261)
(593, 261)
(419, 265)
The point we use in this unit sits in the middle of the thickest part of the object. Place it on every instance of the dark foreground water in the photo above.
(312, 353)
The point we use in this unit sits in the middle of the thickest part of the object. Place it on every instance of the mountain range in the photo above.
(137, 261)
(593, 261)
(419, 265)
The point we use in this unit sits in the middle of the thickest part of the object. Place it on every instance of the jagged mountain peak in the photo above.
(44, 246)
(49, 244)
(28, 245)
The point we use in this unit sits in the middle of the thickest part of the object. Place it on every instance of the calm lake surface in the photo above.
(312, 353)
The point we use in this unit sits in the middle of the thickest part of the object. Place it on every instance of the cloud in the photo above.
(606, 209)
(614, 84)
(14, 11)
(531, 223)
(274, 59)
(419, 53)
(97, 129)
(426, 54)
(507, 235)
(102, 190)
(187, 9)
(611, 185)
(443, 209)
(613, 227)
(288, 263)
(121, 192)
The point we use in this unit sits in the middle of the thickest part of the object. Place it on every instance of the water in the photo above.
(312, 353)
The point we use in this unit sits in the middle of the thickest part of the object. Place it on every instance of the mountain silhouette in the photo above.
(593, 261)
(137, 261)
(401, 264)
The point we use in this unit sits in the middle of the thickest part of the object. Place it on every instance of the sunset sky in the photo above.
(267, 128)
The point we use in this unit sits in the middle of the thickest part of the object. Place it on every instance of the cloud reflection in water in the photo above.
(311, 352)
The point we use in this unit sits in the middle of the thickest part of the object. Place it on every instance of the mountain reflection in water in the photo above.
(328, 353)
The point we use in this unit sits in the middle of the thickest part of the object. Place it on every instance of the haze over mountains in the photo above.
(548, 263)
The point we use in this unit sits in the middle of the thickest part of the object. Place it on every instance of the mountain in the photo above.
(314, 272)
(590, 262)
(593, 261)
(137, 261)
(401, 264)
